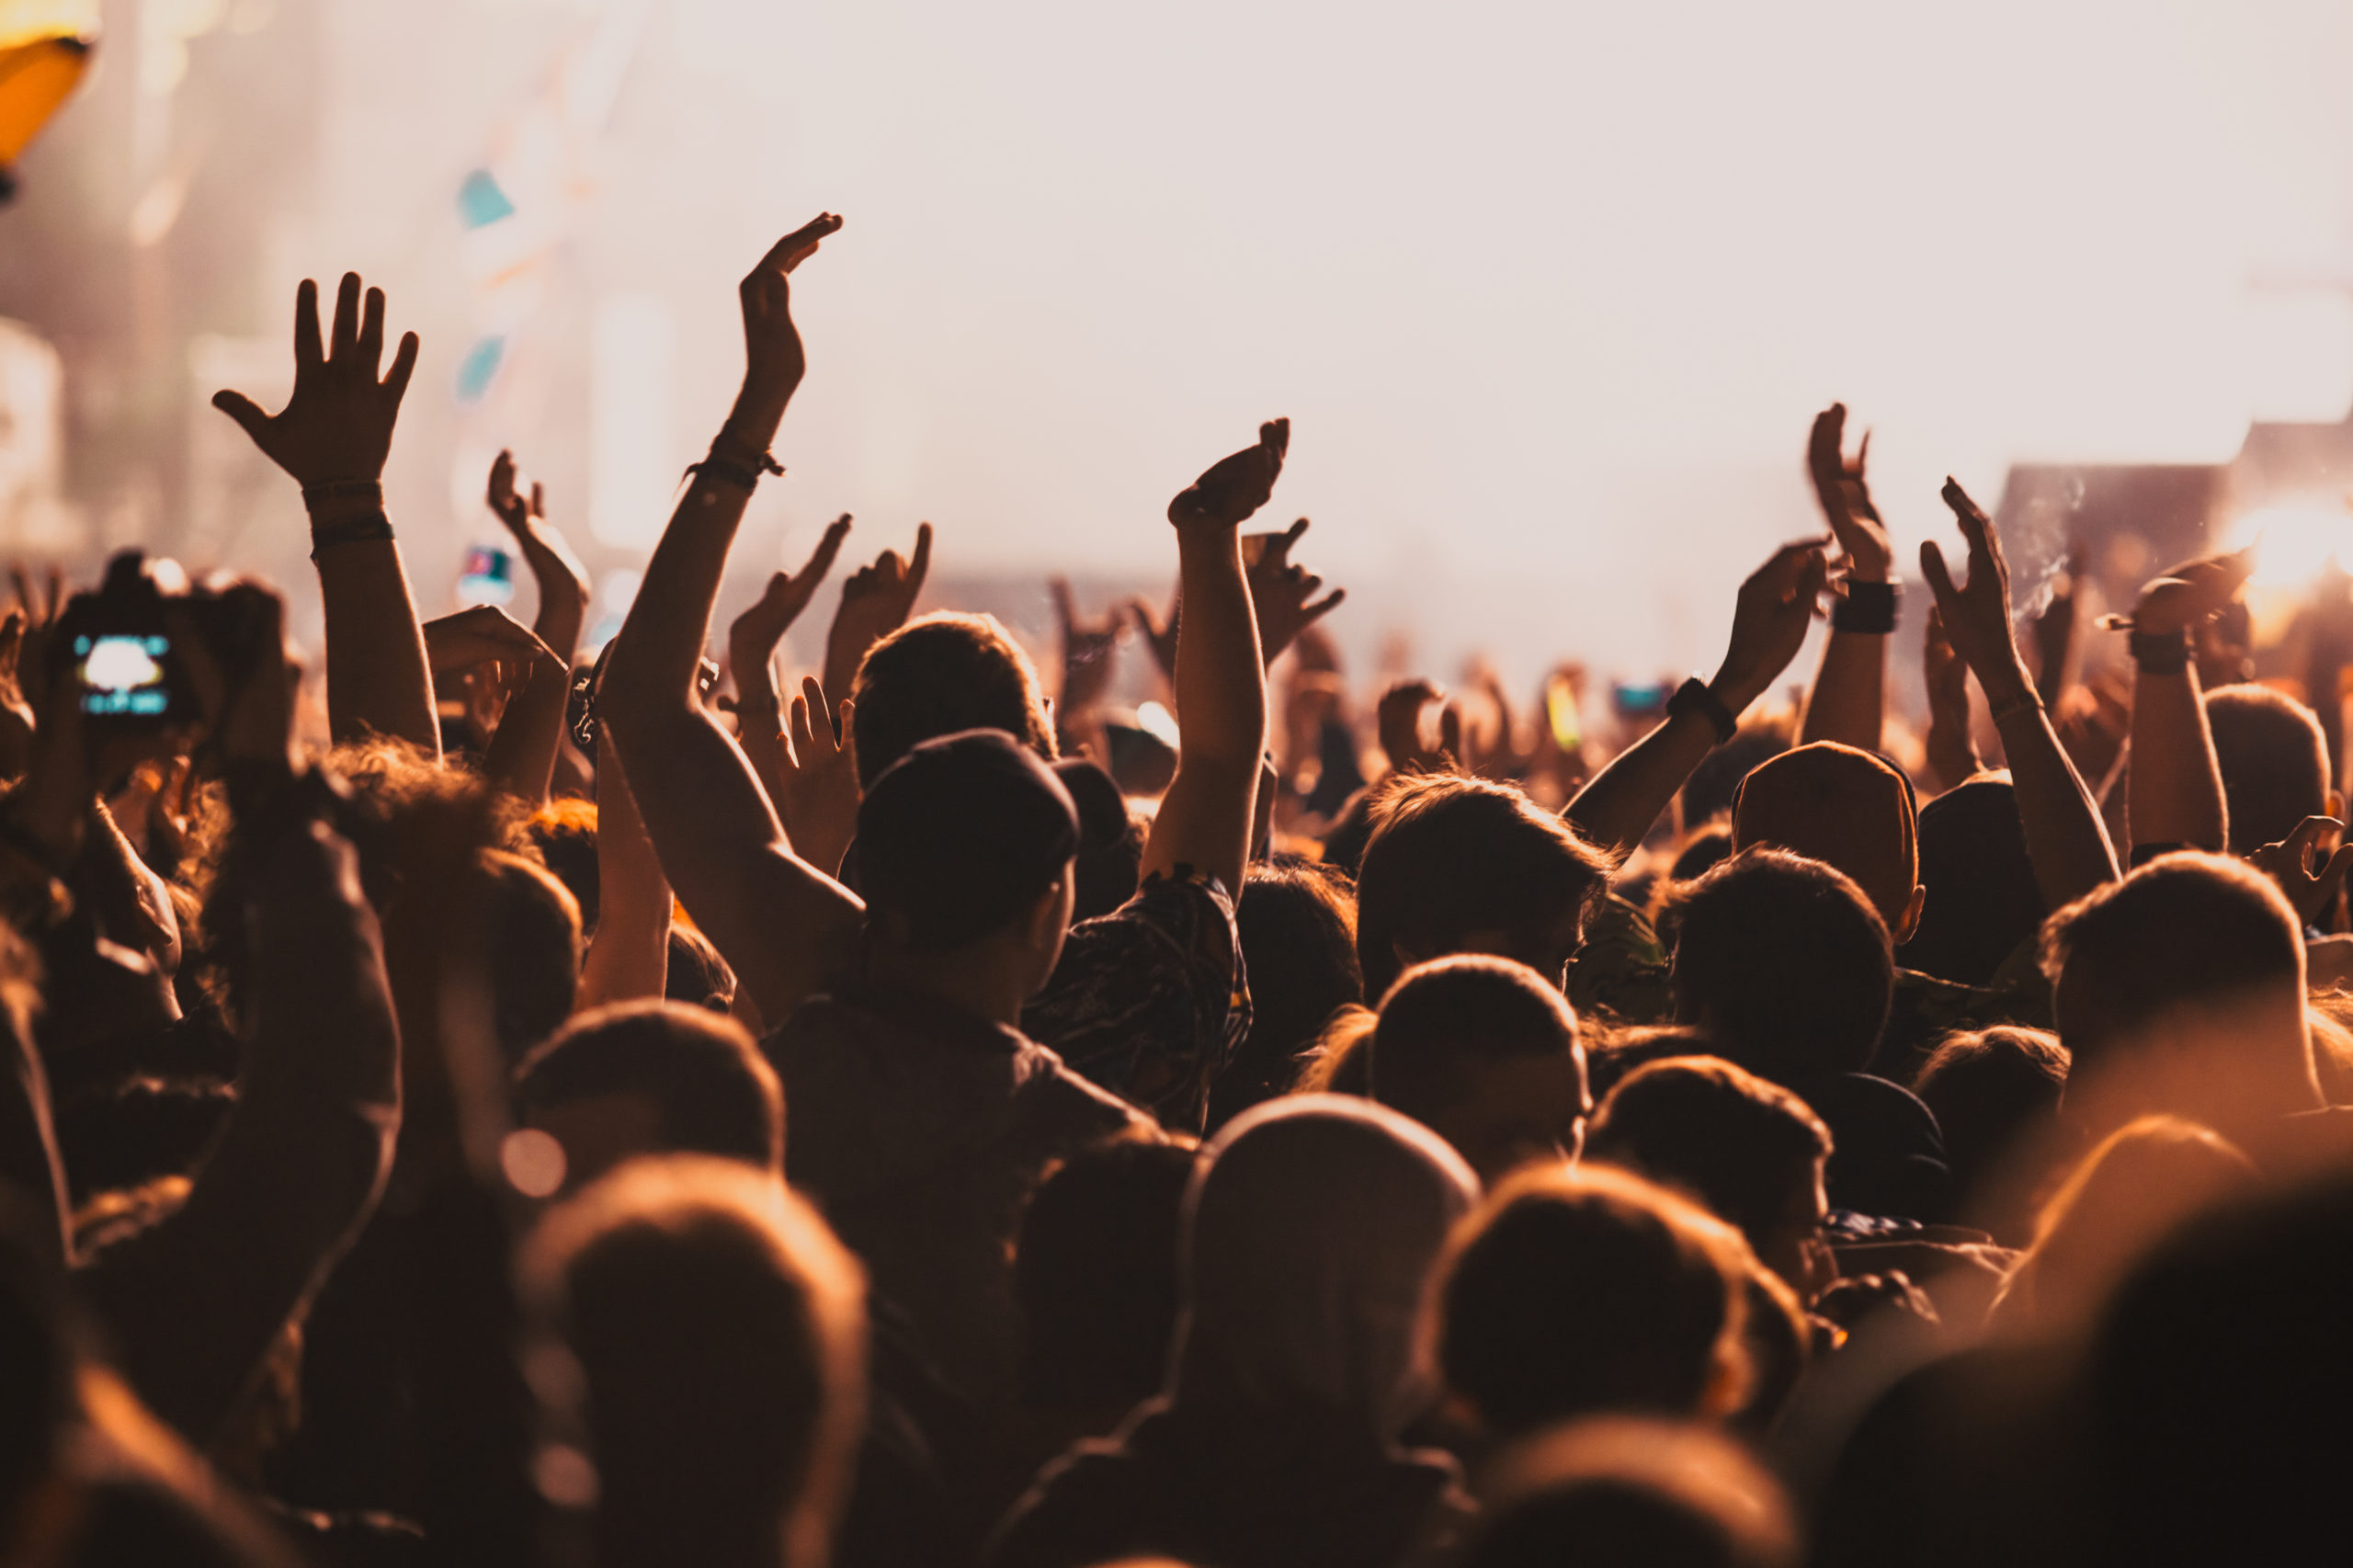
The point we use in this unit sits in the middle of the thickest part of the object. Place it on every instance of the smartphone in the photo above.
(1639, 700)
(122, 675)
(1561, 712)
(488, 577)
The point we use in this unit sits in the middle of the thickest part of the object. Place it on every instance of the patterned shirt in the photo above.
(1150, 1001)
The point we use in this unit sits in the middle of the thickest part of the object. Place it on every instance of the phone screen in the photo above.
(1561, 712)
(489, 578)
(122, 675)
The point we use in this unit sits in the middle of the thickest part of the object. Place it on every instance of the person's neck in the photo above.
(981, 979)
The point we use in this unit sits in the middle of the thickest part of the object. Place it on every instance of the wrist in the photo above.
(1736, 692)
(342, 500)
(757, 414)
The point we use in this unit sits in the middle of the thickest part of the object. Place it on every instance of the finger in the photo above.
(244, 411)
(56, 594)
(843, 717)
(538, 499)
(1322, 608)
(1824, 446)
(789, 252)
(1781, 568)
(1450, 731)
(1279, 545)
(796, 729)
(1813, 576)
(1146, 617)
(2332, 875)
(821, 560)
(24, 591)
(2302, 842)
(12, 638)
(371, 331)
(403, 365)
(1932, 567)
(1064, 610)
(307, 352)
(501, 494)
(345, 338)
(920, 567)
(1275, 435)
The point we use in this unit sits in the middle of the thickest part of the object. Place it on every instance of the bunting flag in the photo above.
(37, 75)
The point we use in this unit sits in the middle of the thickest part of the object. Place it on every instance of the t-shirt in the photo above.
(919, 1131)
(1150, 1001)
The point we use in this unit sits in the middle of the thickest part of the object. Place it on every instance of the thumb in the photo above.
(244, 411)
(1932, 567)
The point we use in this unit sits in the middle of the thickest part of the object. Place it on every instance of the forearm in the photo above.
(1616, 809)
(2064, 837)
(2176, 785)
(759, 721)
(378, 680)
(521, 760)
(629, 954)
(1848, 700)
(1206, 818)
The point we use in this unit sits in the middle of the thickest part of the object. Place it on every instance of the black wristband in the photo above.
(735, 474)
(2161, 653)
(349, 531)
(1693, 697)
(1866, 608)
(343, 489)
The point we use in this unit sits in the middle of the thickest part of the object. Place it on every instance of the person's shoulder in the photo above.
(1076, 1513)
(1072, 1101)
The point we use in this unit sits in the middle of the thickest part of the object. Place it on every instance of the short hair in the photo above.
(532, 927)
(1787, 965)
(1983, 901)
(959, 838)
(937, 674)
(697, 974)
(2184, 928)
(1095, 1275)
(1842, 806)
(1698, 1123)
(1987, 1087)
(1444, 1019)
(2274, 759)
(565, 832)
(720, 1329)
(1110, 863)
(1572, 1291)
(716, 1093)
(1298, 922)
(1616, 1492)
(1451, 856)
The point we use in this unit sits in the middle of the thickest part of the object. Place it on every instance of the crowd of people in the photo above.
(477, 1099)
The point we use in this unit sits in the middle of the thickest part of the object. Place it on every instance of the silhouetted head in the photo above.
(1614, 1492)
(1786, 966)
(968, 840)
(565, 833)
(1299, 946)
(1844, 808)
(1995, 1095)
(1460, 865)
(1095, 1277)
(939, 675)
(651, 1078)
(1573, 1291)
(2181, 989)
(719, 1331)
(2274, 759)
(533, 928)
(1484, 1054)
(1981, 902)
(1110, 840)
(1308, 1235)
(1750, 1151)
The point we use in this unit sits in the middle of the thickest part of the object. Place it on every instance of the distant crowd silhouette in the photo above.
(494, 1105)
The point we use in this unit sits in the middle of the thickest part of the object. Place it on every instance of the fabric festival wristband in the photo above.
(343, 490)
(349, 531)
(1693, 697)
(2161, 653)
(1866, 608)
(734, 474)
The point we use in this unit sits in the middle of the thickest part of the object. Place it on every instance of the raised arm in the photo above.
(1283, 593)
(629, 956)
(522, 755)
(784, 927)
(2065, 838)
(2174, 789)
(751, 640)
(1849, 698)
(1768, 625)
(1205, 818)
(333, 437)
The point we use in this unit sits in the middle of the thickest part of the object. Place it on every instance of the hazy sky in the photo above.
(1549, 292)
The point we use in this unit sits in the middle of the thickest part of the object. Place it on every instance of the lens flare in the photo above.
(2295, 543)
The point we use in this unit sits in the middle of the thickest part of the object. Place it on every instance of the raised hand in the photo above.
(480, 635)
(562, 576)
(2190, 594)
(773, 360)
(752, 637)
(1159, 635)
(338, 424)
(876, 601)
(1090, 650)
(1952, 755)
(817, 786)
(1279, 591)
(1398, 722)
(16, 711)
(1234, 488)
(2290, 862)
(1846, 498)
(1775, 607)
(1976, 614)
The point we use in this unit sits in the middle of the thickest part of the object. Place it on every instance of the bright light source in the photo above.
(2295, 543)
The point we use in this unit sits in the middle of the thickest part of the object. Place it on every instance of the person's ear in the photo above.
(1042, 927)
(1909, 921)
